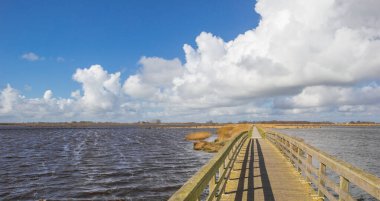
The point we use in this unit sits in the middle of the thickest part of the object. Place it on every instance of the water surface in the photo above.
(95, 163)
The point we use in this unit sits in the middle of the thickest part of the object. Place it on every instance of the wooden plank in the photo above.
(266, 181)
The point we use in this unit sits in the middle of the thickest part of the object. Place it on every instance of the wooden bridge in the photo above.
(273, 166)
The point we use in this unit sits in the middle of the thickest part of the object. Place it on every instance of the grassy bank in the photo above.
(198, 135)
(224, 133)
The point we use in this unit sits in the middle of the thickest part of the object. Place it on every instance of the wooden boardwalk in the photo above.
(251, 168)
(261, 172)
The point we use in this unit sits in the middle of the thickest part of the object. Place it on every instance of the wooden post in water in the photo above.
(343, 187)
(322, 173)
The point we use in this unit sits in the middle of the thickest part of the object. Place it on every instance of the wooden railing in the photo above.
(302, 156)
(212, 175)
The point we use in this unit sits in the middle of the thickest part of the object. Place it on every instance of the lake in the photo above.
(128, 163)
(135, 163)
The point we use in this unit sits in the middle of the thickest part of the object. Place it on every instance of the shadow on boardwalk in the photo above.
(268, 193)
(260, 172)
(247, 174)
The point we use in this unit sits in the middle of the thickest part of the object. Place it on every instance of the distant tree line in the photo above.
(362, 122)
(293, 122)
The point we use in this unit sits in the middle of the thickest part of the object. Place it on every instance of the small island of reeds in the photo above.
(224, 133)
(198, 135)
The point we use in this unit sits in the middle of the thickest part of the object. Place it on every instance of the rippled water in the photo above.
(359, 146)
(95, 163)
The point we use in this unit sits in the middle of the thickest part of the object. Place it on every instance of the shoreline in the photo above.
(176, 125)
(108, 125)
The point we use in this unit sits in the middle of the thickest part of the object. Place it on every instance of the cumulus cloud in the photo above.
(339, 99)
(100, 89)
(304, 57)
(48, 94)
(8, 98)
(30, 56)
(298, 48)
(156, 75)
(101, 98)
(16, 107)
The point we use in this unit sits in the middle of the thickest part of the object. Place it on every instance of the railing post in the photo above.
(207, 176)
(211, 186)
(280, 141)
(309, 162)
(299, 155)
(322, 173)
(318, 177)
(224, 162)
(343, 187)
(221, 171)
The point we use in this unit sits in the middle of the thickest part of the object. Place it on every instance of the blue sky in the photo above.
(115, 34)
(189, 60)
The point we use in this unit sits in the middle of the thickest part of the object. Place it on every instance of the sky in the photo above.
(220, 60)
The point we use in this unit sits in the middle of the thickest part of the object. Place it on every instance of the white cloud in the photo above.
(76, 94)
(306, 57)
(30, 56)
(100, 89)
(60, 59)
(134, 87)
(327, 96)
(48, 95)
(15, 107)
(156, 75)
(8, 98)
(160, 72)
(297, 45)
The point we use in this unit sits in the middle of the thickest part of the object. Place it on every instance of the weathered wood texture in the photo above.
(260, 172)
(274, 167)
(303, 157)
(213, 174)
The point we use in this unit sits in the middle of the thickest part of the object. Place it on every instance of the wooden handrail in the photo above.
(213, 174)
(302, 155)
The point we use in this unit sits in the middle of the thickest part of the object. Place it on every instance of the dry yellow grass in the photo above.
(208, 146)
(225, 133)
(228, 131)
(198, 135)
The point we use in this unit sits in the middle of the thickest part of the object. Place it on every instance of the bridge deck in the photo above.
(260, 172)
